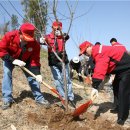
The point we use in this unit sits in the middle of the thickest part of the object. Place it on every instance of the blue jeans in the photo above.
(59, 82)
(7, 84)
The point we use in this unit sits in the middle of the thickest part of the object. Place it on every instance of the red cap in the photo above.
(83, 46)
(57, 24)
(27, 30)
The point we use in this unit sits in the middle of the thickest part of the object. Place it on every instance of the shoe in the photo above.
(45, 103)
(120, 121)
(115, 110)
(72, 103)
(6, 105)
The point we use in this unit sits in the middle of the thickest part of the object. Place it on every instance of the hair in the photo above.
(113, 40)
(97, 43)
(20, 32)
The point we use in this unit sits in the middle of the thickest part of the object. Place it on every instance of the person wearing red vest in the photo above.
(120, 46)
(19, 48)
(55, 42)
(111, 60)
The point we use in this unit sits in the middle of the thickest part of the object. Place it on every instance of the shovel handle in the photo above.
(51, 88)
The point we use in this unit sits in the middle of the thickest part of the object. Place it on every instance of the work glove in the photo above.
(39, 78)
(94, 92)
(79, 74)
(19, 63)
(72, 70)
(42, 40)
(57, 33)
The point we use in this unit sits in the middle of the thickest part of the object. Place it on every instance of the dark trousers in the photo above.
(121, 90)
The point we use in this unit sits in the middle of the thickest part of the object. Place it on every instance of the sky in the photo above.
(94, 21)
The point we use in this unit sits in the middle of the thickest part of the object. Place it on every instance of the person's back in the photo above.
(110, 57)
(75, 64)
(115, 43)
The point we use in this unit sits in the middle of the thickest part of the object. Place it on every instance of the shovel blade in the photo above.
(81, 109)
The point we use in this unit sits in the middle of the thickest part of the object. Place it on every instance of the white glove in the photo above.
(57, 33)
(19, 63)
(79, 74)
(94, 92)
(39, 78)
(72, 70)
(42, 40)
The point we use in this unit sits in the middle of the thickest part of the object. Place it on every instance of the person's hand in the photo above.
(72, 70)
(19, 63)
(79, 74)
(57, 33)
(94, 92)
(66, 36)
(39, 78)
(42, 40)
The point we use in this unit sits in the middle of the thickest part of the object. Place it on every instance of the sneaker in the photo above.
(45, 103)
(6, 105)
(121, 121)
(72, 104)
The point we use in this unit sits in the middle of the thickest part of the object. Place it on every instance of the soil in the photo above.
(25, 114)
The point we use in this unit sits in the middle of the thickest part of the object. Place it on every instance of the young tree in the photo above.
(36, 13)
(6, 27)
(14, 22)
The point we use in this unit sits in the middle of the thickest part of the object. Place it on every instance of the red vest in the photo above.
(51, 41)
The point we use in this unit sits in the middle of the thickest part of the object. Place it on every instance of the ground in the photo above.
(25, 114)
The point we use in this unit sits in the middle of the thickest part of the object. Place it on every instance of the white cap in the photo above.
(75, 59)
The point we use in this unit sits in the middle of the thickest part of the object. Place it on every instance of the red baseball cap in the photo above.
(27, 30)
(57, 24)
(83, 46)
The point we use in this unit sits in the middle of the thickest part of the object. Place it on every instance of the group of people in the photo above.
(111, 60)
(84, 67)
(20, 48)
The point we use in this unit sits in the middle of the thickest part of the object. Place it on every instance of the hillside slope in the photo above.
(25, 114)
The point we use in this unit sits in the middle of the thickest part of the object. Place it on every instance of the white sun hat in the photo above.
(75, 59)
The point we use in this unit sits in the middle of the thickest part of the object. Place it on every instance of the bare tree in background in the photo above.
(36, 13)
(6, 27)
(14, 22)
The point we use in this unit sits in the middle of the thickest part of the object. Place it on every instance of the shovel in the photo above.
(51, 88)
(83, 108)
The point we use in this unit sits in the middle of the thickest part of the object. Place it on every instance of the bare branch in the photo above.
(42, 19)
(71, 14)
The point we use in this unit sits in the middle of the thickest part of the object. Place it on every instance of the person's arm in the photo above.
(43, 40)
(100, 70)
